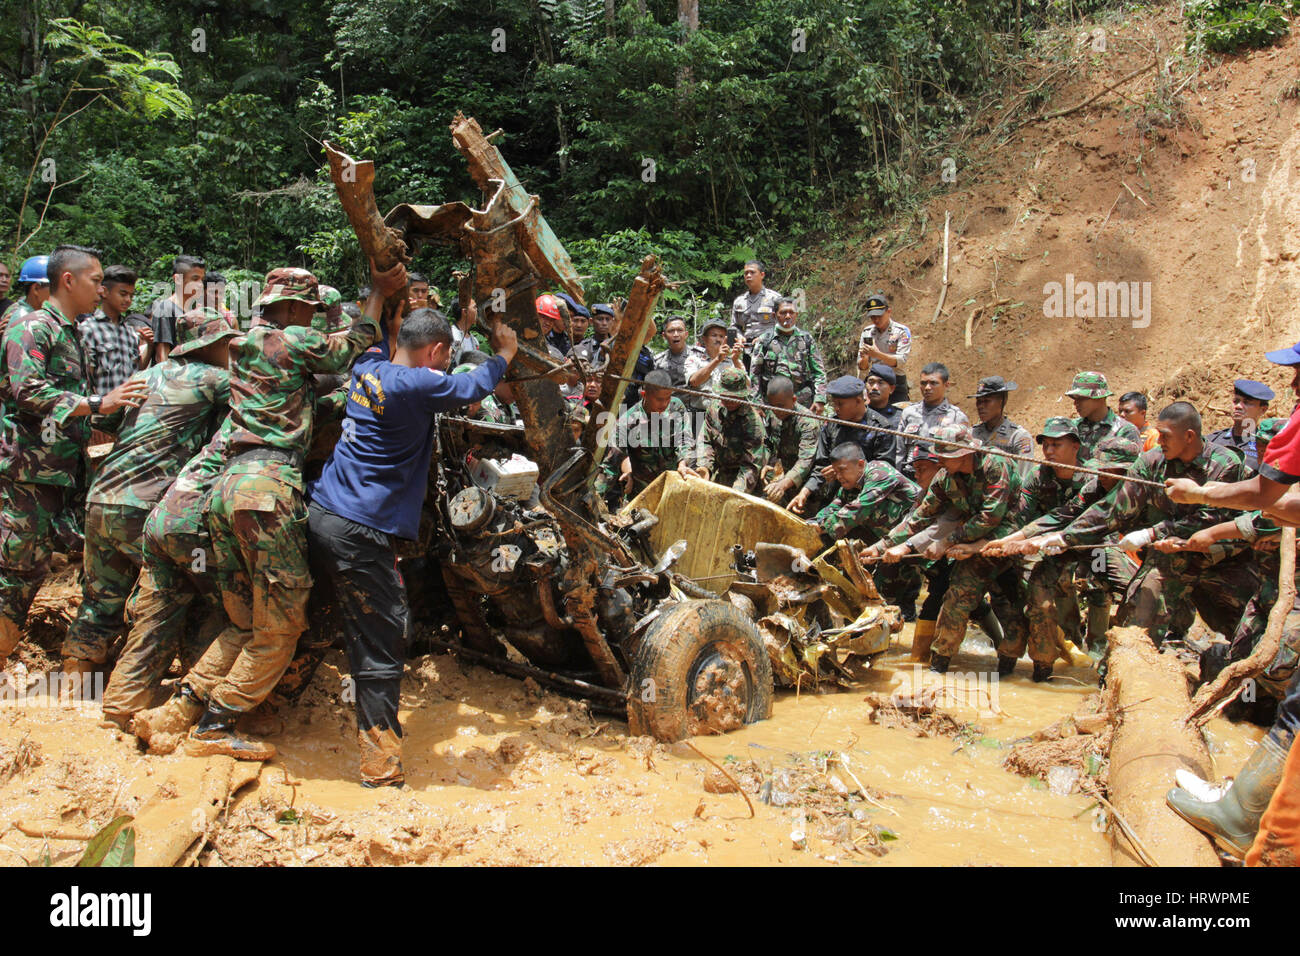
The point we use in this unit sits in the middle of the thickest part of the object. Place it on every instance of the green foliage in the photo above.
(1228, 26)
(112, 846)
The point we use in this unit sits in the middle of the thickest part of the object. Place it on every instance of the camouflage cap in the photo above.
(734, 382)
(1115, 452)
(1089, 385)
(925, 452)
(288, 284)
(1058, 426)
(1269, 427)
(200, 328)
(949, 439)
(330, 296)
(712, 324)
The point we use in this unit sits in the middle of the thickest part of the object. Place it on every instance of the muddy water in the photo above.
(503, 774)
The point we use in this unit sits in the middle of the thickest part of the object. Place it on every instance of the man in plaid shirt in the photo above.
(111, 347)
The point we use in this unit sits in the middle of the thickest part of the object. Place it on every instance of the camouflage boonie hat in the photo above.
(200, 328)
(290, 285)
(948, 439)
(579, 413)
(1089, 385)
(925, 452)
(1115, 452)
(1269, 427)
(330, 296)
(734, 382)
(1058, 426)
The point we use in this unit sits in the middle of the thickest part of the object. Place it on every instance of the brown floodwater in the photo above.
(502, 773)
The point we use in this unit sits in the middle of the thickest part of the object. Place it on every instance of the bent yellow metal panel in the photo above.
(712, 519)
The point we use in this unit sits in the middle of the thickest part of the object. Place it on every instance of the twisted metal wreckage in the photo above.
(609, 607)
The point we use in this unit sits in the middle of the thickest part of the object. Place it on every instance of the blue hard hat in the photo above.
(35, 269)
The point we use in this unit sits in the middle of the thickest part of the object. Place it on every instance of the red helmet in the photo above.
(548, 306)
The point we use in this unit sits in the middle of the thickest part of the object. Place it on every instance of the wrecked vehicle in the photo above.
(660, 609)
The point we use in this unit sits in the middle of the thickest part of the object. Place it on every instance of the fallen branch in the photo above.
(1144, 854)
(1232, 678)
(732, 780)
(978, 311)
(943, 291)
(1100, 93)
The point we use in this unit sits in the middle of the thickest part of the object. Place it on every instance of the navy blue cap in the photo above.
(1287, 356)
(604, 308)
(846, 386)
(576, 307)
(1252, 389)
(881, 370)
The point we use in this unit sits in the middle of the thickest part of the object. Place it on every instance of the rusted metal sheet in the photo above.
(540, 244)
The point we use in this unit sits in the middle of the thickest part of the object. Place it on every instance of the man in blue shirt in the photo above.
(370, 492)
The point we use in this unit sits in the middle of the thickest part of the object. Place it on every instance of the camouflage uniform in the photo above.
(792, 444)
(492, 410)
(984, 504)
(868, 511)
(1219, 584)
(793, 354)
(922, 420)
(730, 443)
(754, 313)
(42, 451)
(186, 401)
(175, 573)
(256, 513)
(655, 445)
(1093, 385)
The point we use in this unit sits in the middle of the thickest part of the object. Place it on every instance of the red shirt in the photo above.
(1282, 460)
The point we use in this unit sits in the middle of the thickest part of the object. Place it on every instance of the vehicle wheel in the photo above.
(700, 669)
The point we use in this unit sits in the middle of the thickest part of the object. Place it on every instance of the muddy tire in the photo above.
(700, 669)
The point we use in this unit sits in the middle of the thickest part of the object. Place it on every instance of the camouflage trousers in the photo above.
(1251, 628)
(1053, 602)
(175, 611)
(1166, 583)
(258, 523)
(110, 567)
(1003, 580)
(35, 521)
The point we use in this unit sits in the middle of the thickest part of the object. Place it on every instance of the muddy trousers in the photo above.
(1219, 591)
(112, 560)
(174, 611)
(31, 520)
(362, 564)
(258, 525)
(1003, 579)
(937, 575)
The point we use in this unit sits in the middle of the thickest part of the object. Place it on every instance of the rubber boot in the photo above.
(939, 663)
(922, 638)
(1042, 671)
(1006, 665)
(174, 717)
(381, 758)
(1098, 624)
(77, 685)
(1233, 820)
(214, 736)
(989, 623)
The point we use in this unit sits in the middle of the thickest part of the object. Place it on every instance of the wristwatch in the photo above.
(95, 402)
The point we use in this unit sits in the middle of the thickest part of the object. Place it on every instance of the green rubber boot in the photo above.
(1233, 820)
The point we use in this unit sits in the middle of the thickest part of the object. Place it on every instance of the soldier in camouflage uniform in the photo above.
(754, 311)
(849, 404)
(43, 436)
(1096, 419)
(792, 353)
(1049, 497)
(729, 448)
(651, 437)
(1219, 584)
(979, 497)
(791, 442)
(873, 497)
(256, 510)
(188, 394)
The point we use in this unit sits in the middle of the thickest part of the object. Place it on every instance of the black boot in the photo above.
(939, 662)
(1006, 665)
(214, 735)
(1042, 672)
